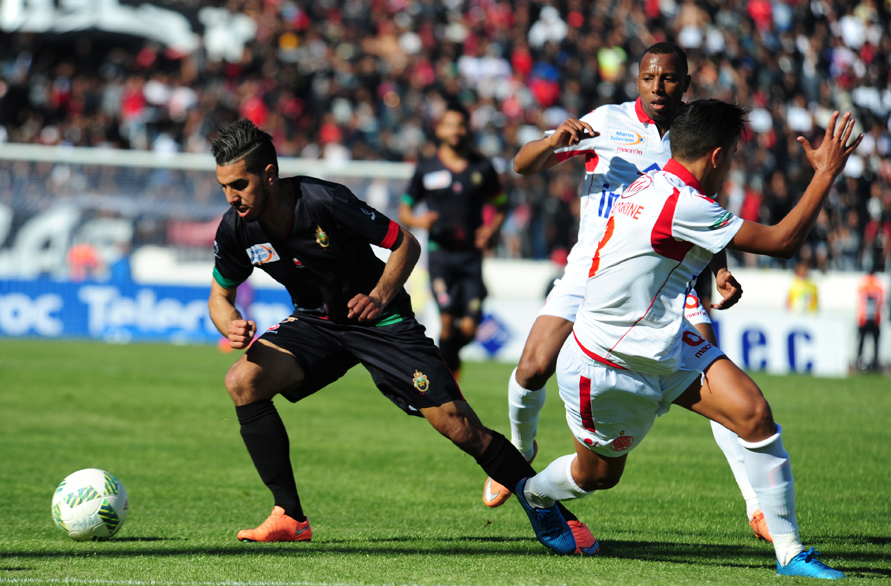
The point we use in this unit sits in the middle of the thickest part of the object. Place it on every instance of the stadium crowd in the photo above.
(367, 80)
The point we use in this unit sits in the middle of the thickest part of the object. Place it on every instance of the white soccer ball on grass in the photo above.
(90, 504)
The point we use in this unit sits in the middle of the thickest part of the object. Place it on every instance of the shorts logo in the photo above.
(420, 381)
(260, 254)
(622, 443)
(322, 238)
(691, 339)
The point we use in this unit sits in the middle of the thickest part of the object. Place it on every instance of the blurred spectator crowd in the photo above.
(367, 80)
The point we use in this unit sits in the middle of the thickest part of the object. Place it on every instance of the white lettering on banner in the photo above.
(19, 314)
(106, 308)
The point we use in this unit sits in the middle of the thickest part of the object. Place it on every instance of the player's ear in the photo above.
(716, 156)
(687, 81)
(270, 173)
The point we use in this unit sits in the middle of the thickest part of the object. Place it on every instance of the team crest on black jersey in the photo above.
(420, 381)
(476, 178)
(322, 238)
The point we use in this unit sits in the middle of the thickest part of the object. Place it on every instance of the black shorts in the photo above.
(456, 279)
(404, 363)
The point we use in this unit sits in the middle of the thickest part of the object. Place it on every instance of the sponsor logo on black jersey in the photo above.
(297, 263)
(367, 213)
(437, 180)
(260, 254)
(322, 238)
(420, 381)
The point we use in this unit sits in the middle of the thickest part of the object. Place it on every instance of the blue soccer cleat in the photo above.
(550, 527)
(806, 564)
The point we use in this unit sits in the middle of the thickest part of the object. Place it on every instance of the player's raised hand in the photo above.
(833, 152)
(729, 288)
(241, 333)
(571, 132)
(364, 307)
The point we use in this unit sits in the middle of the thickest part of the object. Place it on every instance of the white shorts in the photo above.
(568, 293)
(609, 409)
(694, 311)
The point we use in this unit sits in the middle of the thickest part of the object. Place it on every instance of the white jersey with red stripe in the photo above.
(628, 145)
(661, 234)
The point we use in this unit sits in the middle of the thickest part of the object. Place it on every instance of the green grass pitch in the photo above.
(392, 502)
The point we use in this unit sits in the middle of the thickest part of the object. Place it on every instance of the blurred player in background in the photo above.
(803, 297)
(455, 184)
(870, 294)
(619, 142)
(631, 354)
(314, 237)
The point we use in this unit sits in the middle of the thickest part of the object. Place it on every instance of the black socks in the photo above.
(504, 463)
(266, 439)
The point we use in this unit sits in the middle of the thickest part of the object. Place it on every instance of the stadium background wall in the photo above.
(117, 246)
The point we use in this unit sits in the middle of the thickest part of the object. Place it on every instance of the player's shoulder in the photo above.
(428, 164)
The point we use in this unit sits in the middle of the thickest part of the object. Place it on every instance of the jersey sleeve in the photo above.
(597, 121)
(414, 192)
(232, 266)
(357, 217)
(701, 221)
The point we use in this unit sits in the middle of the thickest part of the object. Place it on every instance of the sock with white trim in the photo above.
(554, 483)
(729, 444)
(770, 472)
(524, 406)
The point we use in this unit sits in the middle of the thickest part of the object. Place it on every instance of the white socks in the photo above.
(769, 471)
(733, 451)
(524, 406)
(554, 483)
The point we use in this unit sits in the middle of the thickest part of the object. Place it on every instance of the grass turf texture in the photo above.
(391, 501)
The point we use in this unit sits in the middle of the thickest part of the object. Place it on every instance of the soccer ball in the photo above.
(90, 504)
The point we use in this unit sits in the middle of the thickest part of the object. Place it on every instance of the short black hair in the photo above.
(667, 48)
(703, 125)
(456, 106)
(243, 140)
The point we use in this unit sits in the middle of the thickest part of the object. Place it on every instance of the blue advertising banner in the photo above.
(125, 311)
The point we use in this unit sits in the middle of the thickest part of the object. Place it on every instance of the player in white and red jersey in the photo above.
(618, 142)
(632, 354)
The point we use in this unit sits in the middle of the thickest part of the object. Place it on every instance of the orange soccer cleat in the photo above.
(496, 494)
(585, 542)
(759, 526)
(278, 527)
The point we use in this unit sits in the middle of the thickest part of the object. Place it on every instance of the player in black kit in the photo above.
(455, 184)
(313, 237)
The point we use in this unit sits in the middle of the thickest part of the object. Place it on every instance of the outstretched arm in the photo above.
(539, 155)
(785, 239)
(403, 257)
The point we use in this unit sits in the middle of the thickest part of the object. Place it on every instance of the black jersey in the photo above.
(458, 198)
(323, 259)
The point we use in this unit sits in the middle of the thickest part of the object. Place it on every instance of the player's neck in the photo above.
(452, 158)
(277, 215)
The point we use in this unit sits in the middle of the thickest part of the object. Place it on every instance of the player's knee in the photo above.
(241, 384)
(533, 371)
(602, 481)
(757, 424)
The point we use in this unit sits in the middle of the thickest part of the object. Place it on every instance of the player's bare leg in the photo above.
(730, 397)
(261, 373)
(733, 452)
